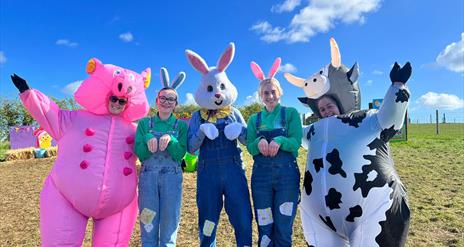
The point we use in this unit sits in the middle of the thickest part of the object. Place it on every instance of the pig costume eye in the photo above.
(116, 73)
(132, 77)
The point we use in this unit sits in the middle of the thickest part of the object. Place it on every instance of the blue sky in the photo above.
(49, 43)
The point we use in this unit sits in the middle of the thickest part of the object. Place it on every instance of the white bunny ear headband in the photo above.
(258, 72)
(164, 75)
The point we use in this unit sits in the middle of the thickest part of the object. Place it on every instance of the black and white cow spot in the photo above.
(311, 132)
(355, 211)
(395, 227)
(354, 118)
(328, 222)
(318, 164)
(336, 163)
(368, 179)
(385, 136)
(308, 179)
(333, 199)
(402, 96)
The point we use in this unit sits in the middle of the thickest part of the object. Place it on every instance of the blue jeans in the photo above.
(160, 198)
(275, 189)
(223, 182)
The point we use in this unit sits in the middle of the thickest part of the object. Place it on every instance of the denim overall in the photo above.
(221, 180)
(275, 190)
(160, 195)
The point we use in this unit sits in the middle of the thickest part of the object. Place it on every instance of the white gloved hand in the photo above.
(209, 130)
(232, 131)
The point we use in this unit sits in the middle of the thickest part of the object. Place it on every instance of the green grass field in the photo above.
(430, 166)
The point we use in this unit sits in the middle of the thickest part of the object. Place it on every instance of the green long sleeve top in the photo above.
(269, 120)
(177, 145)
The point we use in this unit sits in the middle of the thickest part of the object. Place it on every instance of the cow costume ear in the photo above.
(353, 73)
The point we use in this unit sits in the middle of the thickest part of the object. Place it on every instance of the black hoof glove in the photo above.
(402, 75)
(19, 83)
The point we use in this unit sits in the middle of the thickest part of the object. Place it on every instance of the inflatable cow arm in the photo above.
(43, 110)
(393, 110)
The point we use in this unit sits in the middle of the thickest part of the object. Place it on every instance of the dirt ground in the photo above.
(20, 186)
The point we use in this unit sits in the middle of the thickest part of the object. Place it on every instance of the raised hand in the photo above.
(273, 148)
(401, 75)
(19, 83)
(164, 141)
(232, 131)
(152, 145)
(263, 147)
(209, 130)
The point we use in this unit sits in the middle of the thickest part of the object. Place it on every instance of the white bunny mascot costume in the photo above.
(215, 129)
(352, 194)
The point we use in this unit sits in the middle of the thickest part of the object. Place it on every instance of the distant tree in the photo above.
(249, 110)
(12, 113)
(66, 103)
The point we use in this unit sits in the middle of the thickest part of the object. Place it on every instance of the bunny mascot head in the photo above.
(215, 130)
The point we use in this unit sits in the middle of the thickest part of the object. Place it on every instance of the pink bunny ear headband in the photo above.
(258, 72)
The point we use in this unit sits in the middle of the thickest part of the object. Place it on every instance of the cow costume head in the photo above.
(334, 80)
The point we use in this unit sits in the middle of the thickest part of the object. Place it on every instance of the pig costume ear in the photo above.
(92, 65)
(146, 75)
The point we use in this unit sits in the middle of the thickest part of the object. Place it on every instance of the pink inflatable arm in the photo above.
(44, 111)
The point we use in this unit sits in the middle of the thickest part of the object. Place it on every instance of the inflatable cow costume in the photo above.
(352, 194)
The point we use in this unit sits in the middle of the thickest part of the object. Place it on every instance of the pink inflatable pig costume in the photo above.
(94, 174)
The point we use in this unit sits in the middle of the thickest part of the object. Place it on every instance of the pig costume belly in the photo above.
(95, 168)
(94, 175)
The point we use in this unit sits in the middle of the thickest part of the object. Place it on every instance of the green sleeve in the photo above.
(252, 138)
(141, 138)
(178, 146)
(292, 142)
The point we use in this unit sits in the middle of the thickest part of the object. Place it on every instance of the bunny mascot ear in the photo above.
(164, 76)
(180, 78)
(275, 67)
(257, 70)
(197, 62)
(226, 58)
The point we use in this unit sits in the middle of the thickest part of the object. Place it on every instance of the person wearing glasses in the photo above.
(160, 144)
(94, 175)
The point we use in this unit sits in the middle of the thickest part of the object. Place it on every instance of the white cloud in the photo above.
(441, 101)
(377, 72)
(126, 37)
(67, 43)
(189, 99)
(318, 16)
(286, 6)
(369, 82)
(288, 67)
(251, 99)
(71, 87)
(2, 57)
(452, 57)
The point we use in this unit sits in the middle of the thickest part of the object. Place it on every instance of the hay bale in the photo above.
(28, 153)
(20, 154)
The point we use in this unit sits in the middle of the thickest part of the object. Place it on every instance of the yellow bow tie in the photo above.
(213, 115)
